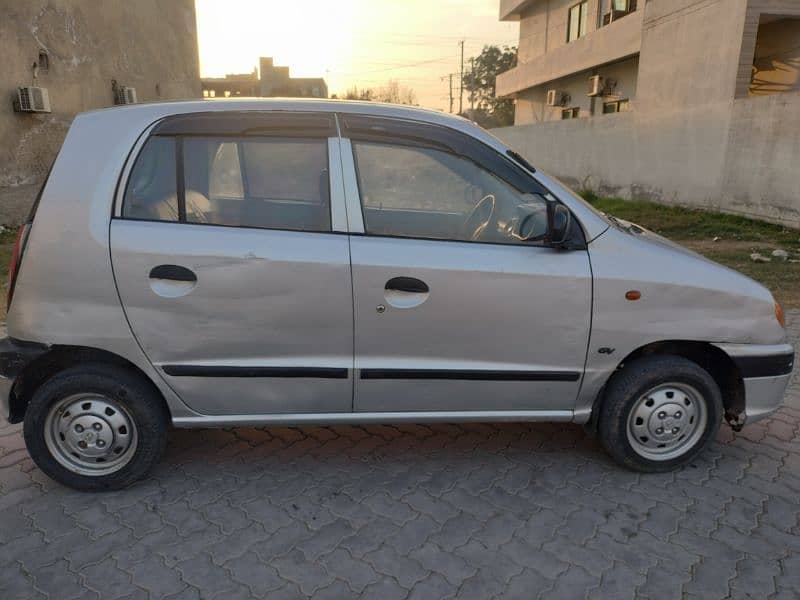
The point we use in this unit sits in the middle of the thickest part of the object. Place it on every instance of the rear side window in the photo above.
(248, 181)
(152, 191)
(273, 183)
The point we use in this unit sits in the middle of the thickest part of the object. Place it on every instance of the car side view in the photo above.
(258, 262)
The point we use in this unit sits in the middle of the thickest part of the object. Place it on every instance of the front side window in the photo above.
(576, 22)
(429, 193)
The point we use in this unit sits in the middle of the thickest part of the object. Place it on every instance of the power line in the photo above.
(394, 68)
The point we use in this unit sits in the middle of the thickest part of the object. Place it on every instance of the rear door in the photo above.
(233, 269)
(453, 311)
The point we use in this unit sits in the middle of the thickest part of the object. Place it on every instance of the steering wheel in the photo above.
(480, 217)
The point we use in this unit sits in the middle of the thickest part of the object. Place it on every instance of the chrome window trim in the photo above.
(355, 218)
(338, 197)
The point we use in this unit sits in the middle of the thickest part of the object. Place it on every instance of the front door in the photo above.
(453, 311)
(231, 277)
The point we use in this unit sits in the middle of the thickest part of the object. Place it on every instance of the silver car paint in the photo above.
(263, 298)
(490, 307)
(683, 297)
(63, 294)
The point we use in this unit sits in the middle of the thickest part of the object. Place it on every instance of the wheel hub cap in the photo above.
(666, 421)
(90, 434)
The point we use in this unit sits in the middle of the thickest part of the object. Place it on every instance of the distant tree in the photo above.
(490, 111)
(364, 94)
(392, 92)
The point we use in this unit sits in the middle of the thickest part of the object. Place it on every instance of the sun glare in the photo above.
(350, 42)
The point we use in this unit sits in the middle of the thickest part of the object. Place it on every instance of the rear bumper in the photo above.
(15, 355)
(766, 372)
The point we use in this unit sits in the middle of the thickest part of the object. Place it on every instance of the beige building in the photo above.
(87, 54)
(690, 101)
(269, 81)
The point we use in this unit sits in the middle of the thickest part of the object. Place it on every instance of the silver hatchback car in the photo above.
(255, 262)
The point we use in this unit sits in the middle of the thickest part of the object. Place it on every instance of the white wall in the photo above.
(741, 156)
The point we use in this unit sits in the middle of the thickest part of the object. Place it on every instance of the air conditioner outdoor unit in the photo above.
(595, 85)
(126, 95)
(32, 99)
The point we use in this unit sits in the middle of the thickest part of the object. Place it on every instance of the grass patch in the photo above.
(726, 239)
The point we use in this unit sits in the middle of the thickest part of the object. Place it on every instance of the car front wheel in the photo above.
(96, 427)
(659, 413)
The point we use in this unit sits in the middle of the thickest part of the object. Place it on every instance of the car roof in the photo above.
(148, 110)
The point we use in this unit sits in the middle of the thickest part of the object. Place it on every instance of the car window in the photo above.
(278, 183)
(152, 187)
(421, 192)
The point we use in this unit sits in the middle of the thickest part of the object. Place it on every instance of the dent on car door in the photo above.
(226, 263)
(453, 310)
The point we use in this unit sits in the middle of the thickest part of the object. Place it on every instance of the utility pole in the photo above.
(461, 93)
(472, 92)
(450, 89)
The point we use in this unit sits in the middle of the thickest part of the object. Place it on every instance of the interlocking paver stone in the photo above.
(413, 511)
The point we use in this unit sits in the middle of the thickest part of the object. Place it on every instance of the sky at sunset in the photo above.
(351, 42)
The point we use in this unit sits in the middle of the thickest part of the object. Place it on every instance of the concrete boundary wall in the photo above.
(741, 156)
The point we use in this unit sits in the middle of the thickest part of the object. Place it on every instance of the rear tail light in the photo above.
(16, 259)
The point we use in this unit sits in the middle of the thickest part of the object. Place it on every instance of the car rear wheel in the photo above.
(96, 427)
(659, 412)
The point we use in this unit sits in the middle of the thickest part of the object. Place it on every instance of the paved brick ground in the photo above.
(471, 511)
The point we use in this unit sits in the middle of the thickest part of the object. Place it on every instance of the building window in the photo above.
(570, 113)
(615, 106)
(44, 61)
(611, 10)
(576, 23)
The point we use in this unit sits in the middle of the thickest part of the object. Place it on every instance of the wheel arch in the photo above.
(57, 359)
(707, 356)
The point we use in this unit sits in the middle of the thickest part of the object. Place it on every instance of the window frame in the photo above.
(386, 139)
(618, 106)
(236, 126)
(573, 112)
(583, 19)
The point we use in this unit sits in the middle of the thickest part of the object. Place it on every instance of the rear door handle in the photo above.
(173, 273)
(410, 285)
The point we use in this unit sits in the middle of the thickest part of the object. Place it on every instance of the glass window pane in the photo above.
(426, 193)
(574, 22)
(584, 13)
(277, 183)
(152, 187)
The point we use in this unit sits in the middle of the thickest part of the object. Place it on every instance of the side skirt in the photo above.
(366, 418)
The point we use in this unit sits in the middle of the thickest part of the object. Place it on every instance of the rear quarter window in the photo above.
(152, 191)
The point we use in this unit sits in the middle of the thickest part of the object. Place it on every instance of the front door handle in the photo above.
(409, 285)
(173, 273)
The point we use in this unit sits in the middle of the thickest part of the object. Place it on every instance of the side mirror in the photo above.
(559, 224)
(542, 220)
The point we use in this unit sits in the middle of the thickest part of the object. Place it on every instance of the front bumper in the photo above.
(15, 355)
(766, 372)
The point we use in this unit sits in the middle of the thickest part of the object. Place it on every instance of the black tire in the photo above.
(629, 385)
(137, 396)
